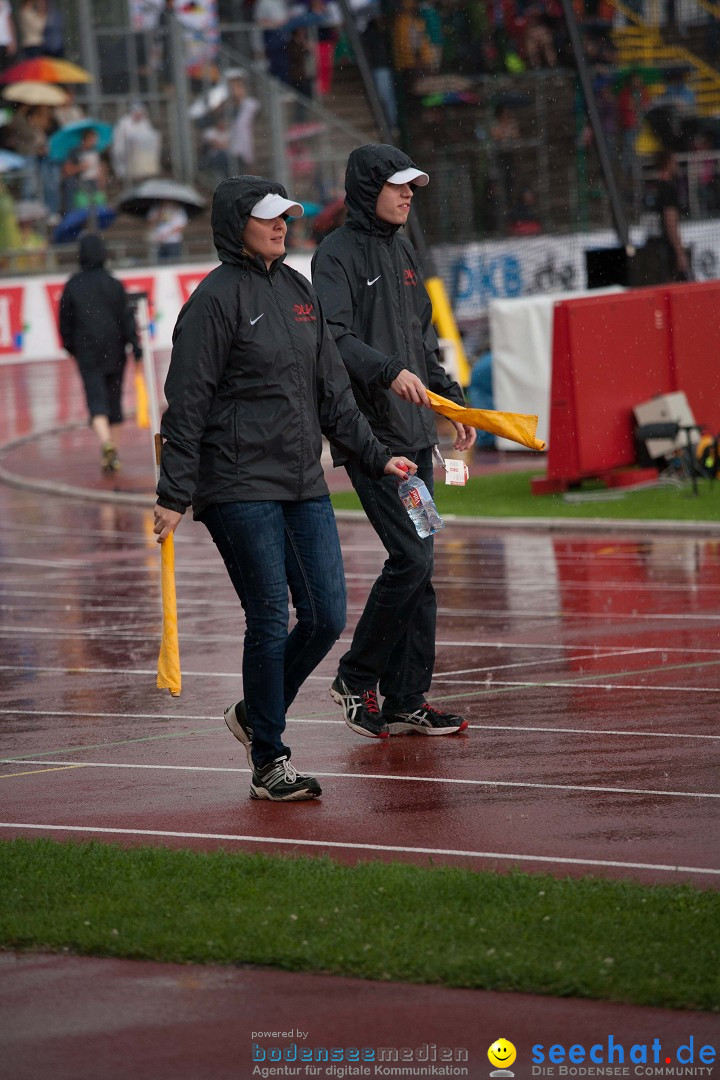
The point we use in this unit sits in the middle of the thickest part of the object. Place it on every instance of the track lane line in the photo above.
(397, 778)
(337, 844)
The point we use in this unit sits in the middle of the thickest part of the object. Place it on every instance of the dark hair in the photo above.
(663, 159)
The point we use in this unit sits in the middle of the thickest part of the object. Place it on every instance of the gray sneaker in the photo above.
(237, 722)
(279, 782)
(425, 720)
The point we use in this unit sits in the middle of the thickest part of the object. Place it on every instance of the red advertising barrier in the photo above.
(611, 353)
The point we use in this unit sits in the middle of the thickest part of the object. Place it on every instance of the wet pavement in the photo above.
(588, 665)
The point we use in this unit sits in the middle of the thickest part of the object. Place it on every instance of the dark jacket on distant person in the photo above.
(378, 310)
(255, 379)
(96, 319)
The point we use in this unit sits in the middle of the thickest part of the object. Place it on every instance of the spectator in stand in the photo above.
(215, 157)
(70, 112)
(434, 30)
(8, 40)
(135, 150)
(168, 221)
(538, 41)
(54, 36)
(376, 42)
(523, 219)
(84, 175)
(9, 231)
(32, 241)
(327, 38)
(45, 184)
(32, 19)
(633, 102)
(675, 265)
(242, 126)
(504, 134)
(677, 93)
(162, 47)
(301, 68)
(411, 50)
(270, 16)
(708, 179)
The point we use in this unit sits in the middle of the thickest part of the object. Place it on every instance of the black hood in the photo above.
(232, 202)
(368, 168)
(92, 252)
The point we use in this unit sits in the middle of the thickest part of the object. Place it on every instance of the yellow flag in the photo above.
(142, 418)
(168, 676)
(519, 427)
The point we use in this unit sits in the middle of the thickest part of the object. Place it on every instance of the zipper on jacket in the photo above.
(301, 393)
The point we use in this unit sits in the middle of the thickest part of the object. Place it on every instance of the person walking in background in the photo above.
(96, 327)
(369, 283)
(32, 19)
(254, 382)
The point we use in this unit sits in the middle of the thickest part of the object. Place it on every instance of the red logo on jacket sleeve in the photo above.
(410, 277)
(304, 312)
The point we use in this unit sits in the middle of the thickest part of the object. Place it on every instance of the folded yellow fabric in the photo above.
(519, 427)
(168, 676)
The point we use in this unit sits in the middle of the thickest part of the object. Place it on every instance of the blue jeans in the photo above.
(394, 641)
(267, 548)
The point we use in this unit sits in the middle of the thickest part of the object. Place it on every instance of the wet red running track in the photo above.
(588, 665)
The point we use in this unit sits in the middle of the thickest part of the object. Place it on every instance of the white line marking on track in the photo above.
(390, 776)
(219, 727)
(338, 844)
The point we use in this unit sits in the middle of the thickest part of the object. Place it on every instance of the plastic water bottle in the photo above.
(418, 502)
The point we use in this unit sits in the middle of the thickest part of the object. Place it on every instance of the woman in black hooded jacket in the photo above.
(255, 380)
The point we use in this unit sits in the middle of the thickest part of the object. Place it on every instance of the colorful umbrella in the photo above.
(30, 92)
(68, 138)
(46, 69)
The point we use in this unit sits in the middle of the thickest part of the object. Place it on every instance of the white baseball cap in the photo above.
(409, 176)
(272, 206)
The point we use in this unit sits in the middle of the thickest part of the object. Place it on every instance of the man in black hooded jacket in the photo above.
(378, 310)
(96, 326)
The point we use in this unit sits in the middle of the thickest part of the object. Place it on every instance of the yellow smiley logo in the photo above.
(502, 1053)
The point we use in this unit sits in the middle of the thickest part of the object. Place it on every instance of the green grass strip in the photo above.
(587, 937)
(509, 495)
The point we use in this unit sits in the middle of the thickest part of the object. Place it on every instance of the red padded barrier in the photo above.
(609, 354)
(695, 339)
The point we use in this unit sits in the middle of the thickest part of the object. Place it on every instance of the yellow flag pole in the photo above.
(444, 320)
(168, 674)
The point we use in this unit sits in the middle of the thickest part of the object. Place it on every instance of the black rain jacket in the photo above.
(96, 320)
(378, 310)
(254, 380)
